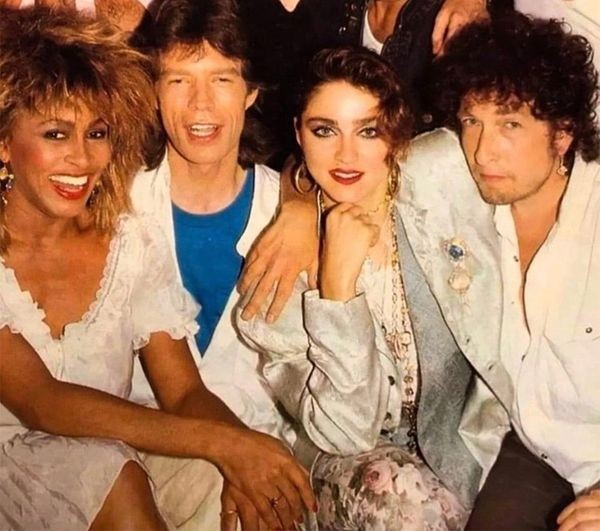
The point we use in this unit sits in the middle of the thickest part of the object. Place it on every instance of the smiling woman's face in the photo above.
(343, 147)
(56, 157)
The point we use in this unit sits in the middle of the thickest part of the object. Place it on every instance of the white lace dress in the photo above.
(60, 483)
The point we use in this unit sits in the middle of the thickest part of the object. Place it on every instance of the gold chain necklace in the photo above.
(384, 201)
(399, 338)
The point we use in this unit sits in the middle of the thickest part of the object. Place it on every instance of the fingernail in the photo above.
(270, 318)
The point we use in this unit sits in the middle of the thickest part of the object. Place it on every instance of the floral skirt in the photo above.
(384, 489)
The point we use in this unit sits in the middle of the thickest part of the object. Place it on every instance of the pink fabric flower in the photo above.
(377, 477)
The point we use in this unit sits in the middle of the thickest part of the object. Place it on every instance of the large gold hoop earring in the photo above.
(300, 173)
(393, 180)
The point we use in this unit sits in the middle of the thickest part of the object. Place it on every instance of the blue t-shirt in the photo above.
(208, 260)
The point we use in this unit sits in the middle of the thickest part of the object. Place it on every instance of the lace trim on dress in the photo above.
(31, 323)
(108, 275)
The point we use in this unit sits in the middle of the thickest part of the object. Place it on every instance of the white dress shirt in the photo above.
(555, 364)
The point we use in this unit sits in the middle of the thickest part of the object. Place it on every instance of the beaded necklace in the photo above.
(397, 332)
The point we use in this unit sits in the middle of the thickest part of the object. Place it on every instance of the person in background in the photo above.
(125, 14)
(285, 34)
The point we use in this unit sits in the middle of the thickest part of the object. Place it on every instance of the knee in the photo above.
(130, 504)
(132, 482)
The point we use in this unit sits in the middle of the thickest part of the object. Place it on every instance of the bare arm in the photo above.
(176, 383)
(180, 389)
(44, 403)
(287, 247)
(257, 464)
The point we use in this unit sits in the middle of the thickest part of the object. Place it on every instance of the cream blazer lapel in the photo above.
(438, 201)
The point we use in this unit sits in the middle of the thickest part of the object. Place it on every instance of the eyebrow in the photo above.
(183, 72)
(329, 121)
(231, 71)
(500, 109)
(69, 123)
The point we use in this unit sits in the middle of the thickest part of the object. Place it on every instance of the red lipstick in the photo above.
(345, 177)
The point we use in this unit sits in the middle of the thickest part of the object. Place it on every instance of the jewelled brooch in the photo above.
(457, 251)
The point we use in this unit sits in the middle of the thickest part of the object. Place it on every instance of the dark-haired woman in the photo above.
(407, 33)
(347, 360)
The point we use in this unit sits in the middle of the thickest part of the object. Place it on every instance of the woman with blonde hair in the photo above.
(84, 284)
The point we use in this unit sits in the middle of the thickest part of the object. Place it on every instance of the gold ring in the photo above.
(274, 502)
(228, 512)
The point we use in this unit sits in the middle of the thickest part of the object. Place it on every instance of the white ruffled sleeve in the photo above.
(159, 301)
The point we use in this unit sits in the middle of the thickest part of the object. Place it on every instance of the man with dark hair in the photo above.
(521, 94)
(206, 191)
(504, 223)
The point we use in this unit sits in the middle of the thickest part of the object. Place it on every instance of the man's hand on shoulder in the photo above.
(288, 247)
(582, 514)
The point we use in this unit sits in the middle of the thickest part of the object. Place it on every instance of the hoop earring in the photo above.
(393, 180)
(6, 184)
(302, 173)
(562, 170)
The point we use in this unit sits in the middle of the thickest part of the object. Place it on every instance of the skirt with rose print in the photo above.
(384, 489)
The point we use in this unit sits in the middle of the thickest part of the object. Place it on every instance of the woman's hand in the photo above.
(349, 234)
(453, 15)
(263, 470)
(236, 506)
(583, 513)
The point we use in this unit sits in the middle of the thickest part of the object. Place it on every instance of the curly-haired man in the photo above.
(504, 222)
(521, 95)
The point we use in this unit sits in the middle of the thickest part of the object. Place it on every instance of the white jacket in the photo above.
(228, 368)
